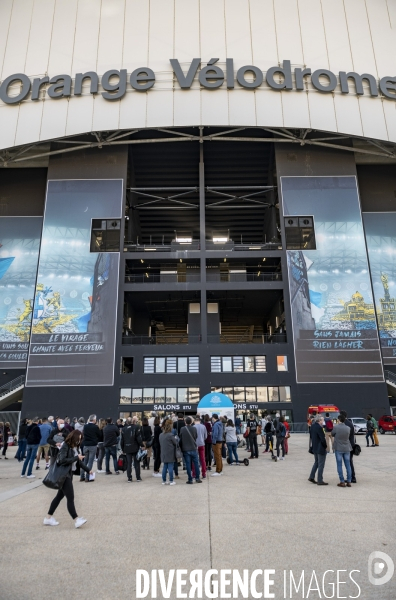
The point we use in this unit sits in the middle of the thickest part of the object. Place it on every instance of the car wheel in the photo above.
(381, 431)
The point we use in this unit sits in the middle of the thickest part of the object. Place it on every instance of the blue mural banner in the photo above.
(76, 296)
(334, 323)
(19, 250)
(380, 231)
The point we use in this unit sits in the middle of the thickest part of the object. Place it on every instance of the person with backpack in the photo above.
(328, 429)
(370, 431)
(131, 441)
(269, 434)
(189, 447)
(252, 427)
(280, 438)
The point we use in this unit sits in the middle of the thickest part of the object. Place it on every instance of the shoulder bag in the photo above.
(56, 476)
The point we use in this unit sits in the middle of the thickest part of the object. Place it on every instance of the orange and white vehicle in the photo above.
(322, 409)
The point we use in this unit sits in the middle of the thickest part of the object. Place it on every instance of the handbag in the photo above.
(179, 453)
(56, 476)
(356, 449)
(149, 443)
(122, 462)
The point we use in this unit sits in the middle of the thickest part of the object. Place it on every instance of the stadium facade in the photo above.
(196, 196)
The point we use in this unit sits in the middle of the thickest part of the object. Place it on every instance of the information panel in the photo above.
(380, 231)
(19, 249)
(75, 306)
(333, 316)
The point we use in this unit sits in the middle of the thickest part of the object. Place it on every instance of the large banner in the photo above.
(19, 249)
(381, 245)
(334, 324)
(75, 306)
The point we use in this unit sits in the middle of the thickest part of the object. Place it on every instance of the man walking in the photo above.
(33, 437)
(188, 445)
(111, 434)
(56, 439)
(343, 449)
(319, 449)
(217, 444)
(202, 434)
(328, 431)
(131, 441)
(45, 429)
(91, 439)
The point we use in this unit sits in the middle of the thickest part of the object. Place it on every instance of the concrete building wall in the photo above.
(50, 37)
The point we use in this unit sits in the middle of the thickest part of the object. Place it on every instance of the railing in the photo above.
(245, 338)
(233, 277)
(242, 246)
(161, 247)
(142, 340)
(390, 376)
(164, 278)
(12, 385)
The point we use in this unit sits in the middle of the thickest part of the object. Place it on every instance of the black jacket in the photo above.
(147, 433)
(55, 431)
(110, 435)
(318, 439)
(66, 456)
(351, 433)
(33, 434)
(178, 425)
(91, 434)
(131, 439)
(22, 432)
(157, 433)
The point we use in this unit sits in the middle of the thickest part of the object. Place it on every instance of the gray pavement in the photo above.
(265, 516)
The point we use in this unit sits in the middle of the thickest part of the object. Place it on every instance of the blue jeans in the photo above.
(20, 455)
(346, 457)
(232, 450)
(167, 468)
(31, 453)
(191, 458)
(111, 450)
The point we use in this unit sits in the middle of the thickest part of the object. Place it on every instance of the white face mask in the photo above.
(61, 425)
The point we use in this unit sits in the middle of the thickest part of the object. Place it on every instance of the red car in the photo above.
(387, 423)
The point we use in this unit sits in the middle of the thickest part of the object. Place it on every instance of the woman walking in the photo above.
(157, 447)
(232, 442)
(68, 456)
(208, 443)
(147, 436)
(168, 443)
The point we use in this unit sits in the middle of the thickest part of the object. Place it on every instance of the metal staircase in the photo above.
(11, 391)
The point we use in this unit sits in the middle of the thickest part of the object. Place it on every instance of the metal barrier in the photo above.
(245, 338)
(142, 340)
(298, 427)
(390, 376)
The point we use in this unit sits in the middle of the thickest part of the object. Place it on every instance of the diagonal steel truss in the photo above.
(280, 135)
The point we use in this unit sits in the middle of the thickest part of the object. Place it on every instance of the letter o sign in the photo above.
(22, 94)
(258, 74)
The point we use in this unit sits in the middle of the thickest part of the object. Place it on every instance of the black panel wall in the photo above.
(356, 399)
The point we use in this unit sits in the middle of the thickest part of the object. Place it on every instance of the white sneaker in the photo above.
(172, 483)
(31, 476)
(221, 473)
(164, 483)
(215, 474)
(282, 458)
(50, 521)
(157, 475)
(79, 521)
(23, 475)
(102, 471)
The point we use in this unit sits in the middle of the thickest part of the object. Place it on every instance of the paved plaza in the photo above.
(265, 516)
